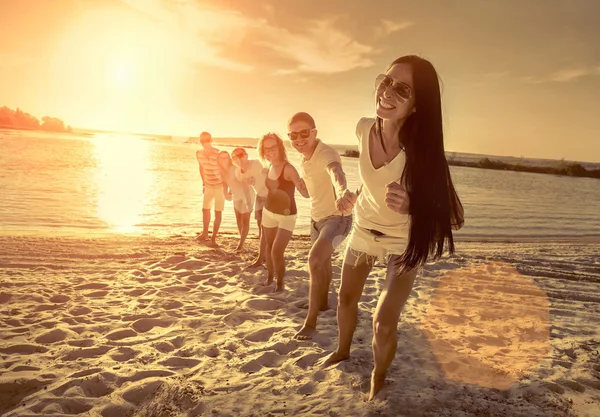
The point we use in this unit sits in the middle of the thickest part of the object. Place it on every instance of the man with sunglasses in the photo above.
(331, 207)
(252, 172)
(212, 186)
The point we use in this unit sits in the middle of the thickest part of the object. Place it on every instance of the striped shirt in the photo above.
(210, 168)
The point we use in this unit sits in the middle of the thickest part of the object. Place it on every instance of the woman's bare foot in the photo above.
(306, 332)
(256, 264)
(203, 236)
(377, 382)
(267, 282)
(333, 358)
(279, 288)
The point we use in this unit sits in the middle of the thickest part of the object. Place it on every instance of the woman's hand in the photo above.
(396, 198)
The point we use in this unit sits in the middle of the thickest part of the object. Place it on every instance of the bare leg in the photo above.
(278, 255)
(319, 255)
(245, 226)
(205, 224)
(216, 225)
(269, 234)
(353, 281)
(385, 321)
(324, 301)
(262, 247)
(238, 220)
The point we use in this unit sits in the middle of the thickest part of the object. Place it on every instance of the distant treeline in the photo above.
(572, 169)
(18, 119)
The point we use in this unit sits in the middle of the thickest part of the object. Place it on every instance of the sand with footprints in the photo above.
(164, 326)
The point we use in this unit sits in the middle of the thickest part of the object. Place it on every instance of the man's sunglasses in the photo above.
(402, 91)
(302, 134)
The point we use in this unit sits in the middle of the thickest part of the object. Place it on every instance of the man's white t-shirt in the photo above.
(257, 173)
(320, 188)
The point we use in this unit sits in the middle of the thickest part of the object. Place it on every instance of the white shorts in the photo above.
(362, 241)
(242, 206)
(213, 193)
(270, 219)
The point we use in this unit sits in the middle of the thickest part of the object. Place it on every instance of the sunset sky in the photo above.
(520, 77)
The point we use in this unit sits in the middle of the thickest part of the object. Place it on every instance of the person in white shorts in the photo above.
(405, 209)
(325, 180)
(241, 193)
(212, 186)
(279, 214)
(252, 171)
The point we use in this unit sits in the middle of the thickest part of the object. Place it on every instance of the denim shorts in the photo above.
(334, 229)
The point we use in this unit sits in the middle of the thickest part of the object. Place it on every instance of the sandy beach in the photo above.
(149, 326)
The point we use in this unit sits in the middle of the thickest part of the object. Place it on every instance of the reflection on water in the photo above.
(123, 180)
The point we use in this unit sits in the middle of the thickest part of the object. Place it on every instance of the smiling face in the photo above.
(303, 136)
(395, 93)
(271, 149)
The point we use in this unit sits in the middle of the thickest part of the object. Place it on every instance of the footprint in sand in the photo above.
(79, 311)
(59, 299)
(179, 362)
(145, 325)
(238, 317)
(24, 349)
(124, 354)
(261, 304)
(5, 297)
(262, 335)
(54, 336)
(117, 410)
(192, 264)
(267, 360)
(96, 294)
(86, 353)
(139, 392)
(200, 277)
(91, 286)
(120, 334)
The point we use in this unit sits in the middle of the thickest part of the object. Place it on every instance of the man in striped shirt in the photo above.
(212, 186)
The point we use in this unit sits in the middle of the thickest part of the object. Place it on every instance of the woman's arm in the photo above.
(291, 174)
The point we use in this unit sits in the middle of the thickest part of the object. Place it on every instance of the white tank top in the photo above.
(371, 210)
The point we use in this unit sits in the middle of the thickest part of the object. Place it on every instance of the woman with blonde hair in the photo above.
(279, 214)
(242, 195)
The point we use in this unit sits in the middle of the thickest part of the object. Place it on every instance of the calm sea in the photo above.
(52, 183)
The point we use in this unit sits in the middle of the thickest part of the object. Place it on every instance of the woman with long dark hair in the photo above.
(405, 209)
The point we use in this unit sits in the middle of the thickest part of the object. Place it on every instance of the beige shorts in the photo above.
(282, 221)
(242, 206)
(213, 193)
(363, 242)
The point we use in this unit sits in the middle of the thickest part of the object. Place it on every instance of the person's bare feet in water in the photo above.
(377, 382)
(333, 358)
(306, 332)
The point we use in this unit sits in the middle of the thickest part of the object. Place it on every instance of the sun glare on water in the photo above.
(123, 180)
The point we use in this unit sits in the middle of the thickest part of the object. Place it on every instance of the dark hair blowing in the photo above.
(434, 205)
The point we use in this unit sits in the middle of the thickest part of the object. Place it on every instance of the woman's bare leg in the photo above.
(385, 321)
(278, 255)
(269, 234)
(355, 271)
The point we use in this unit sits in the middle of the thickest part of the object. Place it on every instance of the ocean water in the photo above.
(67, 184)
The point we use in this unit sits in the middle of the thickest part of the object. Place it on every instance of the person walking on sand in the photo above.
(212, 186)
(279, 214)
(252, 172)
(406, 207)
(241, 193)
(325, 180)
